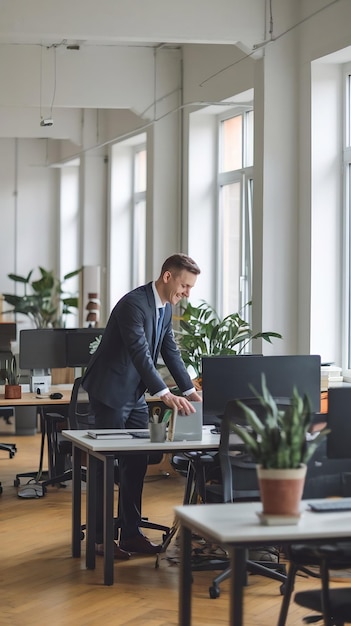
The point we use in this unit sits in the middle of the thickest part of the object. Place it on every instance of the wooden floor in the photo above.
(41, 583)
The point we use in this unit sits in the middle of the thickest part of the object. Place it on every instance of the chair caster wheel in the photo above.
(16, 482)
(82, 536)
(214, 592)
(282, 589)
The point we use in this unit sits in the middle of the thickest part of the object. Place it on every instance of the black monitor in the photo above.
(339, 422)
(78, 345)
(7, 334)
(42, 348)
(227, 378)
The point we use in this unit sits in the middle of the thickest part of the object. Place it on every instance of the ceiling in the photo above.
(52, 54)
(112, 22)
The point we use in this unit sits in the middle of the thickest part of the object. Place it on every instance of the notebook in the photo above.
(108, 433)
(186, 427)
(118, 433)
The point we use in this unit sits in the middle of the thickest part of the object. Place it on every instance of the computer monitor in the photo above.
(339, 422)
(78, 345)
(7, 334)
(227, 378)
(42, 348)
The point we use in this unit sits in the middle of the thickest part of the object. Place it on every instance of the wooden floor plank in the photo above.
(42, 584)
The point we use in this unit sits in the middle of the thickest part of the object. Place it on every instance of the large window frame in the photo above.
(346, 349)
(70, 228)
(234, 212)
(127, 215)
(139, 215)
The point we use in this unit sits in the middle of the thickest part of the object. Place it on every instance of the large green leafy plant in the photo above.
(44, 300)
(277, 437)
(202, 332)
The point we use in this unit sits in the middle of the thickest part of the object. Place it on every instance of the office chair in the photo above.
(80, 417)
(6, 412)
(11, 449)
(239, 482)
(336, 484)
(333, 606)
(77, 417)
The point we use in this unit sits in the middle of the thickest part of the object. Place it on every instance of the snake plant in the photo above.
(9, 373)
(278, 439)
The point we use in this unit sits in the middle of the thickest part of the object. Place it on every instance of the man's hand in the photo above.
(180, 403)
(194, 397)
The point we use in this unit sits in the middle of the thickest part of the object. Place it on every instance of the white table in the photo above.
(105, 451)
(237, 527)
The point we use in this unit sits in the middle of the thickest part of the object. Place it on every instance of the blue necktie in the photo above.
(161, 314)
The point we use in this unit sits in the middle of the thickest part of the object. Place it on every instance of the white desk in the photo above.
(105, 450)
(237, 527)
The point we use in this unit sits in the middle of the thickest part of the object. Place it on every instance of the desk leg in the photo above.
(91, 511)
(109, 462)
(185, 578)
(76, 500)
(237, 581)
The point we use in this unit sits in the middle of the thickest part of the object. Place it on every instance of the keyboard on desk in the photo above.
(330, 506)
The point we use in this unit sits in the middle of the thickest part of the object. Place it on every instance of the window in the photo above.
(235, 188)
(69, 227)
(139, 217)
(347, 210)
(127, 218)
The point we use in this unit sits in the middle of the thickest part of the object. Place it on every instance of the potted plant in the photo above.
(276, 438)
(46, 304)
(10, 373)
(203, 332)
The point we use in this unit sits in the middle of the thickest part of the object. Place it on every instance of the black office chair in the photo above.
(336, 483)
(333, 606)
(11, 449)
(77, 417)
(239, 483)
(80, 417)
(6, 412)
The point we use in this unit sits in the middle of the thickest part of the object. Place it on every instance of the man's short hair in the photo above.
(179, 262)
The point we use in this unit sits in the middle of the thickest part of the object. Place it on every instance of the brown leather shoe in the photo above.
(141, 545)
(118, 553)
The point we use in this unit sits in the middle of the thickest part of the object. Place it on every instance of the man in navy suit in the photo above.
(123, 368)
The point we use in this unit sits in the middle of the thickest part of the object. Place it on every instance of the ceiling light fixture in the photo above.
(47, 121)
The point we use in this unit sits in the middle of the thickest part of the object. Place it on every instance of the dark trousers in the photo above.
(131, 468)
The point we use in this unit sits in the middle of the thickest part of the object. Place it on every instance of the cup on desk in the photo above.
(158, 431)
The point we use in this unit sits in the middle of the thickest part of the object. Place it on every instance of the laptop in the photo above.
(187, 427)
(180, 428)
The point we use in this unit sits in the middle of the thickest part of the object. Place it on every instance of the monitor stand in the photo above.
(40, 379)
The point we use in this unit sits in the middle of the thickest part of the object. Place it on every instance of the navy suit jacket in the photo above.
(123, 367)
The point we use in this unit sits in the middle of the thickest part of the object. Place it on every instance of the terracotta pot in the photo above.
(281, 490)
(13, 392)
